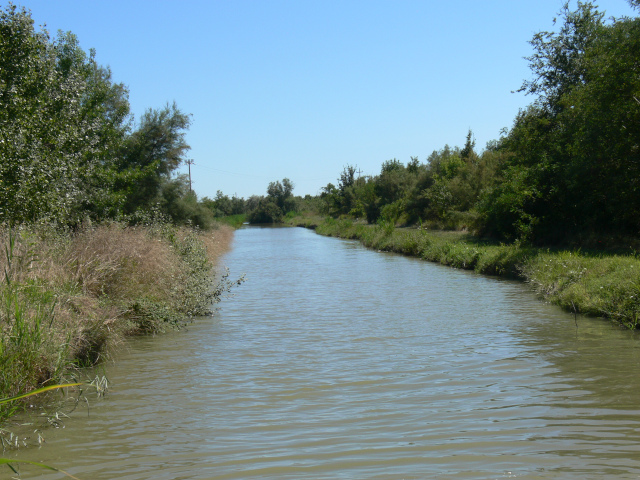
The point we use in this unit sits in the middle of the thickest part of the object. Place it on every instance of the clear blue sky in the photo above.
(301, 88)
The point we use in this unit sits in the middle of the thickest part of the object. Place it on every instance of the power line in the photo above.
(232, 173)
(266, 177)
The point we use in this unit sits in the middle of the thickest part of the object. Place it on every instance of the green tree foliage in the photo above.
(573, 165)
(105, 123)
(68, 146)
(222, 205)
(451, 181)
(60, 117)
(353, 196)
(150, 155)
(266, 211)
(602, 125)
(392, 183)
(282, 195)
(278, 202)
(181, 206)
(558, 61)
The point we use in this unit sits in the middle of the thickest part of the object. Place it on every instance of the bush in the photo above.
(67, 298)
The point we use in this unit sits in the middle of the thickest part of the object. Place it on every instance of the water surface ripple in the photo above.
(336, 362)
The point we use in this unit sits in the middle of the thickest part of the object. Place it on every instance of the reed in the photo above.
(235, 221)
(10, 463)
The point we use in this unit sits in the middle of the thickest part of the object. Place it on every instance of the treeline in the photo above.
(279, 203)
(91, 214)
(69, 146)
(443, 191)
(568, 171)
(70, 149)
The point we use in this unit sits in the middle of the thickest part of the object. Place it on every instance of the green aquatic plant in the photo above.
(9, 463)
(37, 392)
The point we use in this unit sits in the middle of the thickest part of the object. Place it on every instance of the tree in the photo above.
(601, 127)
(267, 211)
(347, 178)
(467, 151)
(176, 202)
(238, 205)
(281, 194)
(413, 166)
(151, 154)
(31, 171)
(330, 197)
(573, 166)
(391, 166)
(68, 149)
(558, 61)
(102, 122)
(61, 118)
(278, 202)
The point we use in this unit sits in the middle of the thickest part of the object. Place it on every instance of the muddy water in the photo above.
(335, 362)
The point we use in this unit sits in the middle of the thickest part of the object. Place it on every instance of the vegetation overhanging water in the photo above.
(82, 266)
(68, 299)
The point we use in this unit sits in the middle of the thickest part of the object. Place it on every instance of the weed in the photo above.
(10, 463)
(68, 298)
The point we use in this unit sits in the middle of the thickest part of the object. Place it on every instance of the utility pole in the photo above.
(190, 162)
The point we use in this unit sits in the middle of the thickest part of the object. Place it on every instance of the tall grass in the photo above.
(67, 299)
(235, 221)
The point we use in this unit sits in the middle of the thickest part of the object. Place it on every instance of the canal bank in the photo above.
(334, 361)
(596, 284)
(69, 298)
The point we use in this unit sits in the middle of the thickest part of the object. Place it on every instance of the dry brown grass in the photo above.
(217, 242)
(116, 261)
(79, 293)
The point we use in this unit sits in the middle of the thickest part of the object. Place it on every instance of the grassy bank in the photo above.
(234, 221)
(591, 283)
(68, 298)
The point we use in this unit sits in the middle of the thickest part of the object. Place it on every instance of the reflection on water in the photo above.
(335, 362)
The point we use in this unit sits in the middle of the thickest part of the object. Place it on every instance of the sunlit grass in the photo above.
(235, 221)
(596, 284)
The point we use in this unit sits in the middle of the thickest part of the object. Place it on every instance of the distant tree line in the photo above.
(568, 170)
(443, 191)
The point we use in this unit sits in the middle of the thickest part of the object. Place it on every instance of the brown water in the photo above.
(335, 362)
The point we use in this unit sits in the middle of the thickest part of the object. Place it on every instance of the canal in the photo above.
(337, 362)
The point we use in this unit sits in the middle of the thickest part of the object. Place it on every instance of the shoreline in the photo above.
(69, 298)
(595, 284)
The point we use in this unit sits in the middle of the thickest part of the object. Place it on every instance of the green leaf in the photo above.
(36, 392)
(6, 461)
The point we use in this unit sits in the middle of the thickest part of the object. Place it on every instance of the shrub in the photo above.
(67, 298)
